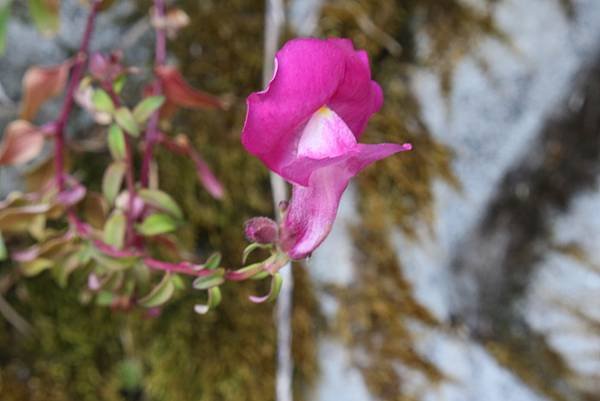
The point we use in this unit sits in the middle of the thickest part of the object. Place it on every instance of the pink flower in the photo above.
(305, 127)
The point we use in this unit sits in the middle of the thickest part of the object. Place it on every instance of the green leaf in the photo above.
(114, 229)
(112, 180)
(246, 272)
(3, 251)
(104, 298)
(159, 294)
(65, 267)
(156, 224)
(116, 142)
(146, 107)
(206, 282)
(214, 299)
(251, 248)
(126, 121)
(276, 283)
(45, 15)
(102, 101)
(4, 17)
(36, 266)
(131, 375)
(213, 261)
(113, 264)
(119, 83)
(178, 282)
(160, 200)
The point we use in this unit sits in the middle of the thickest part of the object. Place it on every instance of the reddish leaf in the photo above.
(21, 143)
(49, 249)
(206, 176)
(180, 93)
(40, 175)
(16, 219)
(40, 84)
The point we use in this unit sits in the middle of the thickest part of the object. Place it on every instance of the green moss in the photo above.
(397, 193)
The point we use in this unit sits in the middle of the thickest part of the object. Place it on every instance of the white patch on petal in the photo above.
(325, 135)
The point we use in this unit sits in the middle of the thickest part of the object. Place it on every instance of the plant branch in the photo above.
(129, 174)
(77, 72)
(160, 58)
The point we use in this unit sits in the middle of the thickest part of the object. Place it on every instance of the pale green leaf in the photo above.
(276, 282)
(36, 266)
(45, 15)
(112, 180)
(159, 294)
(105, 298)
(102, 101)
(214, 280)
(214, 299)
(119, 83)
(156, 224)
(161, 200)
(114, 229)
(251, 248)
(213, 261)
(116, 142)
(125, 119)
(146, 107)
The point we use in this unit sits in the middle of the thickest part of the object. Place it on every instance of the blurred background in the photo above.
(465, 270)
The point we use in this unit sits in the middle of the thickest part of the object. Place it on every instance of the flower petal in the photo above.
(309, 74)
(325, 135)
(358, 97)
(312, 209)
(325, 140)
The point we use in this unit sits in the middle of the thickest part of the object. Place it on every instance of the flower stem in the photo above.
(160, 58)
(67, 106)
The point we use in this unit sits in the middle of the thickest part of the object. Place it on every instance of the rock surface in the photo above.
(495, 121)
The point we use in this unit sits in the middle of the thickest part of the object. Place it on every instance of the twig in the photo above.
(77, 72)
(160, 57)
(369, 27)
(273, 25)
(13, 317)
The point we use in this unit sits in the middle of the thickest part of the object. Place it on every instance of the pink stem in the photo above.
(183, 268)
(160, 58)
(77, 72)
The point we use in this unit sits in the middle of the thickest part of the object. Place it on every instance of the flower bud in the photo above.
(262, 230)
